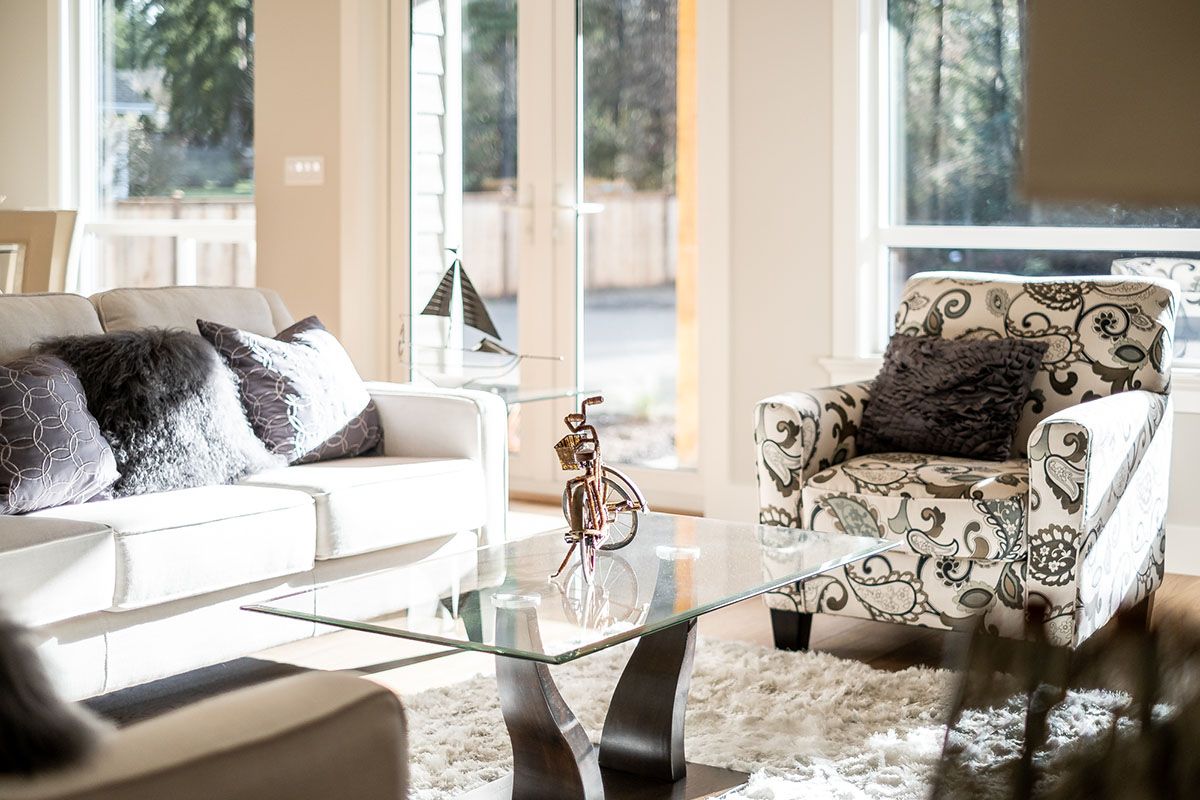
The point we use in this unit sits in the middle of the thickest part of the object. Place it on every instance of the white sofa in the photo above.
(130, 590)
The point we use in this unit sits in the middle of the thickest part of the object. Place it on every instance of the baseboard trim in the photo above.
(1183, 549)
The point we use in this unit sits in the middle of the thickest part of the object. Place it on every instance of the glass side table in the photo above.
(514, 396)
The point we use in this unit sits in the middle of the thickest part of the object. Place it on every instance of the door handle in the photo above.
(581, 209)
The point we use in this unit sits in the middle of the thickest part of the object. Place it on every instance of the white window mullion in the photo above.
(997, 237)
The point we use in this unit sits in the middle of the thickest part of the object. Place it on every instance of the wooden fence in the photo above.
(631, 243)
(153, 260)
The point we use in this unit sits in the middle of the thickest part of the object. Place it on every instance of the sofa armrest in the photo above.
(1099, 477)
(450, 423)
(796, 435)
(317, 736)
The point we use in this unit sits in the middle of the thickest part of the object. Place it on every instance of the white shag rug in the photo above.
(805, 725)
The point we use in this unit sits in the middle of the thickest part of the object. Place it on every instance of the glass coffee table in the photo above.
(501, 599)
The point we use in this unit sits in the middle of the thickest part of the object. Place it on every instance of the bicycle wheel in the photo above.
(623, 519)
(609, 597)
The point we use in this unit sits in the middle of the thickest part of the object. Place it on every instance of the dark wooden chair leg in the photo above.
(791, 628)
(1138, 616)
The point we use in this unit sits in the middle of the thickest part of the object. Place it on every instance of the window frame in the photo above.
(865, 152)
(82, 31)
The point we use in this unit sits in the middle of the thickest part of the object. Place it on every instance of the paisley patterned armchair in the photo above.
(1076, 517)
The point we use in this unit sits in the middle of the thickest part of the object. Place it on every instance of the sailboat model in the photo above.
(487, 361)
(474, 312)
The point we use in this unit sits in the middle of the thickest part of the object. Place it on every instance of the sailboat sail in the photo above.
(475, 313)
(439, 303)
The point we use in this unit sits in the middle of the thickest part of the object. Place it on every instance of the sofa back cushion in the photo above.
(260, 311)
(1104, 334)
(26, 319)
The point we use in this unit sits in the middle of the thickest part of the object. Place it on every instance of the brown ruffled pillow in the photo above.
(949, 397)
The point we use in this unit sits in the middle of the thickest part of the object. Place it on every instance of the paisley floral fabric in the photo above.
(1185, 273)
(799, 434)
(935, 505)
(1090, 501)
(930, 591)
(1098, 506)
(1104, 334)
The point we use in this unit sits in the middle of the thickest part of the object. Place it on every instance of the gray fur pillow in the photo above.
(949, 397)
(301, 391)
(38, 730)
(168, 407)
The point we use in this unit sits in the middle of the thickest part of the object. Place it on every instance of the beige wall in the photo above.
(780, 187)
(781, 116)
(27, 129)
(320, 90)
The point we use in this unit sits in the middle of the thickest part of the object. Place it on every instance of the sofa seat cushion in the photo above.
(184, 543)
(934, 505)
(375, 502)
(55, 569)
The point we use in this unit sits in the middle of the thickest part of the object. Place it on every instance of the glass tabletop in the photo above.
(502, 598)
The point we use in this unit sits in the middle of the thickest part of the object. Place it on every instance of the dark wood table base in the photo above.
(640, 756)
(701, 782)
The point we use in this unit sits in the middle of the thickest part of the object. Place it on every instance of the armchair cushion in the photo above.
(935, 505)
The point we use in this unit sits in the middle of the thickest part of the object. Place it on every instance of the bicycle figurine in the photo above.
(601, 505)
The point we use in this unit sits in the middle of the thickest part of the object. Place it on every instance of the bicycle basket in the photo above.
(568, 450)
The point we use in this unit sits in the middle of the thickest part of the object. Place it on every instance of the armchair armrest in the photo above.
(316, 735)
(450, 423)
(798, 434)
(1098, 477)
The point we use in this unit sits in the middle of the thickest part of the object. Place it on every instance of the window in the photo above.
(167, 183)
(940, 168)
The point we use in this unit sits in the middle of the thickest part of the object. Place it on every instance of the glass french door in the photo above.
(553, 149)
(637, 238)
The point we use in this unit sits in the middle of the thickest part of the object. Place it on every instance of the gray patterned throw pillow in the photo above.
(51, 450)
(300, 390)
